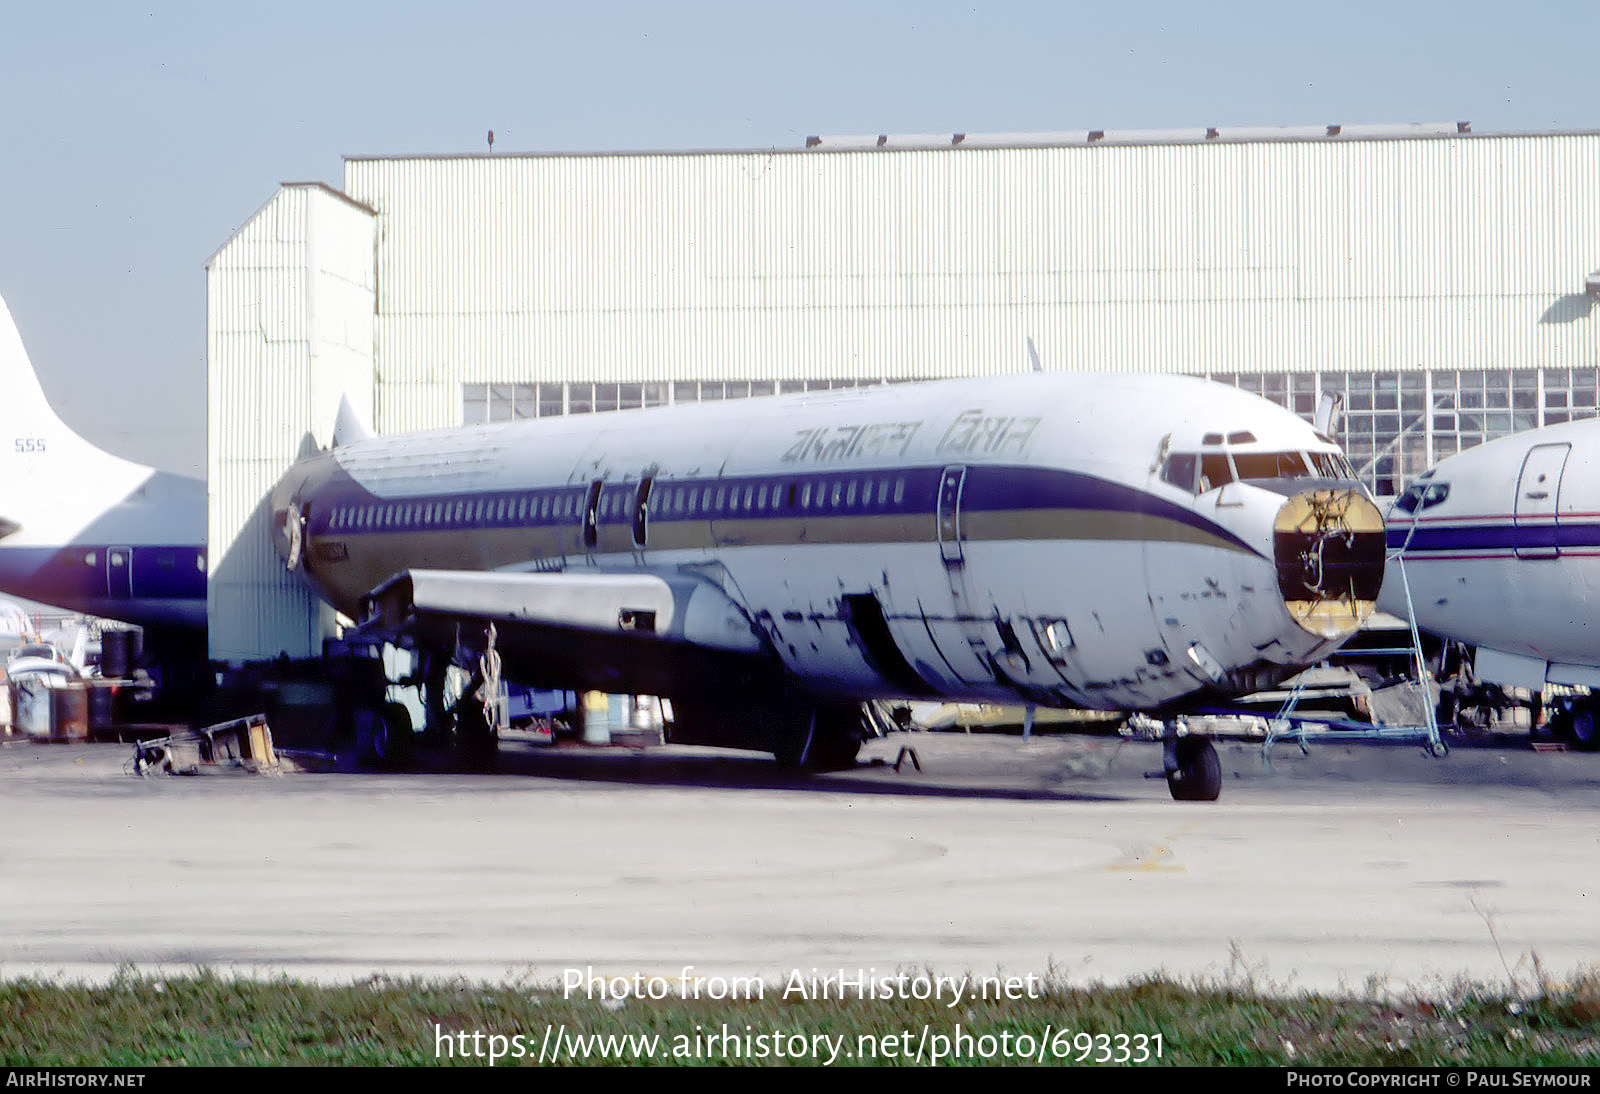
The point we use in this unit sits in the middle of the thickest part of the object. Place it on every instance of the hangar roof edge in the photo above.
(1082, 138)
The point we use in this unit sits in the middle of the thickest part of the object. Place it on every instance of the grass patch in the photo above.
(205, 1019)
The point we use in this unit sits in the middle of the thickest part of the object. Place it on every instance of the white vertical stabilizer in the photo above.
(52, 481)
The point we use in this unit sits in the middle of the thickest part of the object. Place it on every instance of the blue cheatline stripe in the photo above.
(347, 509)
(1495, 537)
(65, 574)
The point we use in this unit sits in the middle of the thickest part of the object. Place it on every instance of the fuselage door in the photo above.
(1538, 490)
(950, 514)
(119, 573)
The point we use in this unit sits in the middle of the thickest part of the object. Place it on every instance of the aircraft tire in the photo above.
(1582, 728)
(393, 737)
(1196, 773)
(477, 744)
(829, 740)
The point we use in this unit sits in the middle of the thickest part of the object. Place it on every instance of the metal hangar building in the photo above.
(1442, 282)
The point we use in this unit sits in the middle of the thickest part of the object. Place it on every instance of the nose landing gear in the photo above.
(1194, 774)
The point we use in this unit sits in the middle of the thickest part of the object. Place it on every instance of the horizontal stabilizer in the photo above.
(8, 527)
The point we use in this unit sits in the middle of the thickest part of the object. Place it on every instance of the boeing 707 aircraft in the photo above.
(1065, 540)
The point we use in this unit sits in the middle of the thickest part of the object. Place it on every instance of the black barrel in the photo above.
(116, 653)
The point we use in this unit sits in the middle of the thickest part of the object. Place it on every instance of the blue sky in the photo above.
(135, 138)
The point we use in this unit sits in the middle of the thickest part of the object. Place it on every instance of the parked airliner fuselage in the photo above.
(1096, 540)
(1501, 550)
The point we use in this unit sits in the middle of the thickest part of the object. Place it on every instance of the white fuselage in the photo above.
(1501, 550)
(1062, 539)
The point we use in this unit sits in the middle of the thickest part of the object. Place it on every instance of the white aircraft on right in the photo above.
(1500, 548)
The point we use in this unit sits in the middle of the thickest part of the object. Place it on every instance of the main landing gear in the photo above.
(828, 740)
(1194, 774)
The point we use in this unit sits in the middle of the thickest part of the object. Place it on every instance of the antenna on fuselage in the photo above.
(1033, 355)
(348, 426)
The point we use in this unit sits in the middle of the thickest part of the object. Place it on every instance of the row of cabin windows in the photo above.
(673, 501)
(445, 514)
(852, 493)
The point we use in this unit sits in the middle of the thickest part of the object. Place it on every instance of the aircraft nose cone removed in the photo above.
(1329, 548)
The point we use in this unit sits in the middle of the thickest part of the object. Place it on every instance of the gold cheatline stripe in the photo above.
(493, 547)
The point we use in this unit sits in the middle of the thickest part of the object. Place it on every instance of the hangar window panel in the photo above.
(474, 404)
(686, 392)
(580, 398)
(654, 394)
(552, 400)
(606, 397)
(1583, 391)
(1497, 389)
(1524, 390)
(1413, 394)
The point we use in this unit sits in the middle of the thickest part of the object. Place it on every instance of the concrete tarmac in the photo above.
(1354, 868)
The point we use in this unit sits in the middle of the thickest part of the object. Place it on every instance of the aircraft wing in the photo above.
(640, 633)
(8, 527)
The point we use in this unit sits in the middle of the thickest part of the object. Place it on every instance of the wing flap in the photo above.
(686, 609)
(614, 631)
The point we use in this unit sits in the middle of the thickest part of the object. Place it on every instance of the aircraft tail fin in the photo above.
(26, 416)
(41, 456)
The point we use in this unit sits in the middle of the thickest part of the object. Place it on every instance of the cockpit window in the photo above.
(1332, 465)
(1179, 470)
(1422, 495)
(1271, 465)
(1215, 471)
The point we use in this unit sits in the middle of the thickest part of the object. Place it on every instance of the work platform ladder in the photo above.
(1287, 725)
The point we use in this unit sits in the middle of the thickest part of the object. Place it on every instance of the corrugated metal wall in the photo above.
(289, 306)
(1291, 255)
